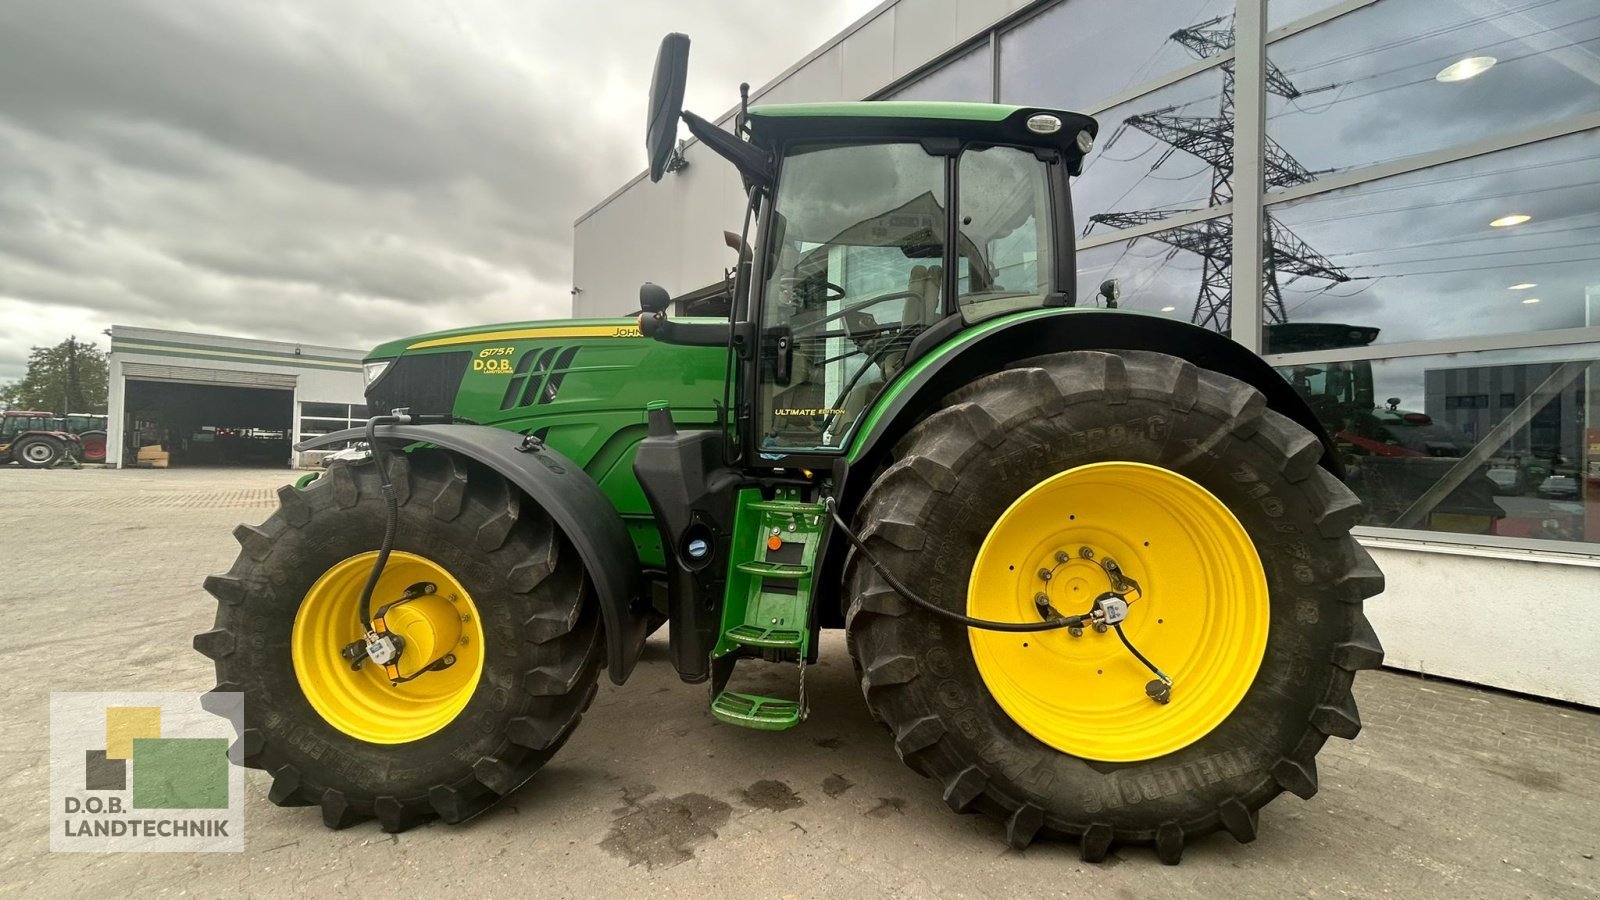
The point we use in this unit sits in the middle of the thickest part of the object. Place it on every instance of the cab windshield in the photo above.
(857, 268)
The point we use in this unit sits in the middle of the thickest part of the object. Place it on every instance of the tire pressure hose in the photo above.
(982, 624)
(934, 608)
(391, 502)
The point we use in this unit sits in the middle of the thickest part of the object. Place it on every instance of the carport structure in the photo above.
(215, 400)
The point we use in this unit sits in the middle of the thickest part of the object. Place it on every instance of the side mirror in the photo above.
(653, 298)
(666, 102)
(1111, 289)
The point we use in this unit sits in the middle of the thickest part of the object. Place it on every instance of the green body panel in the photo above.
(597, 417)
(890, 109)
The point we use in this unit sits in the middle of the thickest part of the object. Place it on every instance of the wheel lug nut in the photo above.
(1044, 574)
(1061, 556)
(1099, 628)
(1075, 631)
(1086, 553)
(1041, 599)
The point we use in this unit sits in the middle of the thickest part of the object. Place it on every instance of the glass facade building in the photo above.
(1396, 202)
(1421, 185)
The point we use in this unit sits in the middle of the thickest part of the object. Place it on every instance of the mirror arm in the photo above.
(753, 164)
(690, 334)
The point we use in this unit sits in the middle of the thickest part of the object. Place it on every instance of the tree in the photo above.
(67, 378)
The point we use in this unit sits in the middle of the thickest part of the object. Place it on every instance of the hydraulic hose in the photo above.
(934, 608)
(981, 624)
(391, 502)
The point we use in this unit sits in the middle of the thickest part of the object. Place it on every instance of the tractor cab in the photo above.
(880, 229)
(887, 222)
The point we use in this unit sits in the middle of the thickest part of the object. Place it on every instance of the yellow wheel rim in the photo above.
(1201, 616)
(363, 704)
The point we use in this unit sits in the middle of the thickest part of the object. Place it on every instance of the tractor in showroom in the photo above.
(1093, 567)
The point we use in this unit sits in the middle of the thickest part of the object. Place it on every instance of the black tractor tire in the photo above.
(926, 516)
(543, 646)
(38, 452)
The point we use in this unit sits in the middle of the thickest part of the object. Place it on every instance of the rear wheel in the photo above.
(501, 657)
(1042, 480)
(38, 452)
(94, 446)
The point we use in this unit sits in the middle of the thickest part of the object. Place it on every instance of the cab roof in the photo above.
(983, 122)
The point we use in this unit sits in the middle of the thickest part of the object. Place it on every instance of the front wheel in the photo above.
(1046, 486)
(38, 452)
(502, 645)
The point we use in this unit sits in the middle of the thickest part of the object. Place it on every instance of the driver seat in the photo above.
(926, 284)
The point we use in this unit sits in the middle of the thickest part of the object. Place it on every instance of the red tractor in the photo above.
(31, 438)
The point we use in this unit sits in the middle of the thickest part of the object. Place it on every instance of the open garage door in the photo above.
(207, 417)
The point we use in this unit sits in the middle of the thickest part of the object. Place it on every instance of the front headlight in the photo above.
(372, 371)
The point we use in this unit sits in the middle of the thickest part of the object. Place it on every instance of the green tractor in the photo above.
(1094, 567)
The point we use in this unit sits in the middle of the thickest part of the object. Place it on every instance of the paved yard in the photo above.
(1449, 792)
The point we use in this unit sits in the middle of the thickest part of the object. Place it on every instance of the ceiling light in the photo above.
(1531, 300)
(1523, 286)
(1504, 221)
(1470, 67)
(1168, 308)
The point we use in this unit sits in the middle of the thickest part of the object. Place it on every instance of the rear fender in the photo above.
(578, 506)
(999, 343)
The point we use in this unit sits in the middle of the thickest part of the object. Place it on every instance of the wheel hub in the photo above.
(427, 674)
(1149, 560)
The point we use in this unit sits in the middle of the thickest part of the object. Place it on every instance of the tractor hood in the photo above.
(509, 331)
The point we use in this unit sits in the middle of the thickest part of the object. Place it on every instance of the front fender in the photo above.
(578, 506)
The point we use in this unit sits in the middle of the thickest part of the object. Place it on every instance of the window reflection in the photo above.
(1135, 168)
(1504, 443)
(1081, 52)
(1424, 262)
(1404, 77)
(1155, 276)
(967, 78)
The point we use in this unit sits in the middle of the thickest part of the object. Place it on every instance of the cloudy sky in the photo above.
(332, 172)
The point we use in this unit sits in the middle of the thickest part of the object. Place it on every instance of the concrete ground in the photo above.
(1449, 792)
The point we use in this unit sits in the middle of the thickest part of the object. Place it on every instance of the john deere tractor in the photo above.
(1093, 567)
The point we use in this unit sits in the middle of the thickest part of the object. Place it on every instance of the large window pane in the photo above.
(1081, 52)
(1167, 273)
(1404, 77)
(969, 78)
(1423, 260)
(1505, 443)
(1160, 154)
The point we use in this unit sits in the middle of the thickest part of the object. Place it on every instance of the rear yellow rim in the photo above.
(364, 704)
(1201, 616)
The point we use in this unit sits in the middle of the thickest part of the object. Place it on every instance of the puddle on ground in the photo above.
(663, 832)
(772, 795)
(834, 785)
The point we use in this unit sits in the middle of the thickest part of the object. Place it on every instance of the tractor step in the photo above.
(772, 638)
(797, 507)
(766, 569)
(753, 711)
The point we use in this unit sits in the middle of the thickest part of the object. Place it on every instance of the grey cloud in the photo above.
(331, 172)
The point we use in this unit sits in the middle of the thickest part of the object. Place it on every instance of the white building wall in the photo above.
(1529, 624)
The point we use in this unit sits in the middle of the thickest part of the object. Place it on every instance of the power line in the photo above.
(1210, 139)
